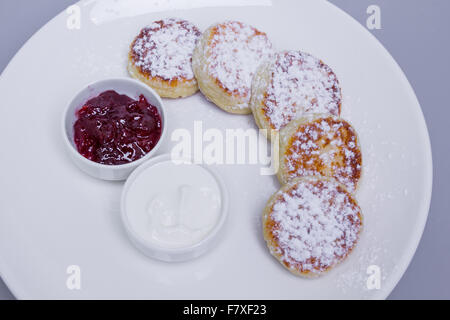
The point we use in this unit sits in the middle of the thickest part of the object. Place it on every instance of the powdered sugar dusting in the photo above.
(300, 83)
(236, 50)
(164, 49)
(325, 146)
(317, 224)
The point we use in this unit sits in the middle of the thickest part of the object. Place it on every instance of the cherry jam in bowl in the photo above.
(113, 126)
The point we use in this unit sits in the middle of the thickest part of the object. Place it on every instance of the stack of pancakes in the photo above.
(313, 222)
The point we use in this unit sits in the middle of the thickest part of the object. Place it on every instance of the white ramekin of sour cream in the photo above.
(174, 210)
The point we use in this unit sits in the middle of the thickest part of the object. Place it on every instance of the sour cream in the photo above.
(172, 206)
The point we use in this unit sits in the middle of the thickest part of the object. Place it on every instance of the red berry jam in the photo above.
(114, 129)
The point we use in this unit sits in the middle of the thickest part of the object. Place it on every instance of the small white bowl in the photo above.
(153, 249)
(129, 87)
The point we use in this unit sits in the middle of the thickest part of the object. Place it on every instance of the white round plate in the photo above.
(53, 216)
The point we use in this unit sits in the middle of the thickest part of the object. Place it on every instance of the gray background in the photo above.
(416, 33)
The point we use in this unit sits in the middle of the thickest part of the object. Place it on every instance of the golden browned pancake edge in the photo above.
(316, 264)
(321, 145)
